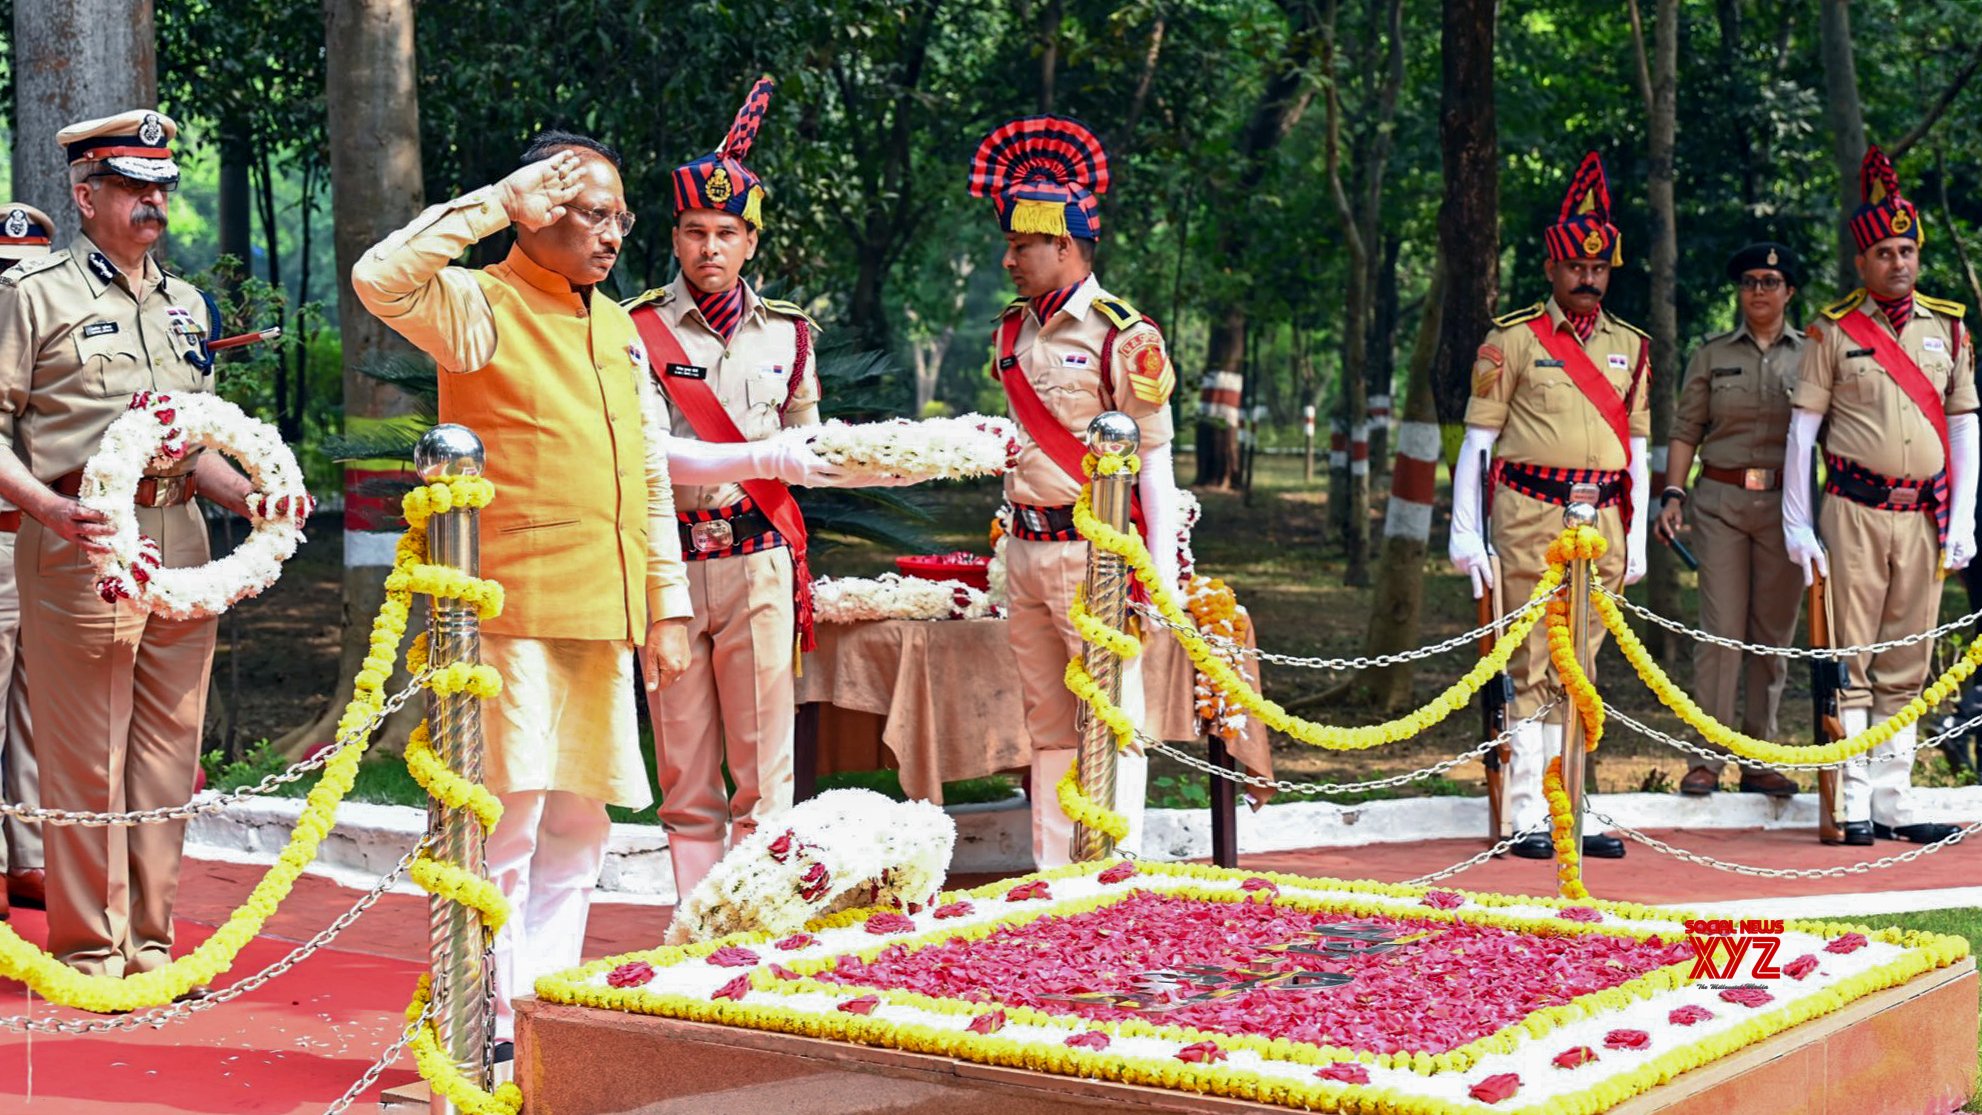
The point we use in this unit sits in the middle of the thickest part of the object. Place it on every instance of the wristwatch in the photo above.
(1672, 492)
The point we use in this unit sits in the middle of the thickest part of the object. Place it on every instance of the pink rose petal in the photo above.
(734, 989)
(987, 1023)
(1850, 942)
(1442, 900)
(952, 910)
(1203, 1052)
(1801, 967)
(1347, 1072)
(1117, 873)
(1747, 996)
(796, 941)
(634, 973)
(1626, 1039)
(881, 924)
(1026, 892)
(784, 973)
(1089, 1039)
(1580, 913)
(1257, 885)
(1496, 1088)
(863, 1005)
(730, 956)
(1575, 1058)
(1688, 1015)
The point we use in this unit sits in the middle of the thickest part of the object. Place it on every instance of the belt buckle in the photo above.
(1758, 479)
(1034, 521)
(167, 491)
(1583, 493)
(716, 534)
(1903, 497)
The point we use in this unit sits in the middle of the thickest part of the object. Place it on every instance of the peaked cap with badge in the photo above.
(719, 180)
(24, 231)
(136, 144)
(1882, 213)
(1583, 229)
(1043, 174)
(1766, 255)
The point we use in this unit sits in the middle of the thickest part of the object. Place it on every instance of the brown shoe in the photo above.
(1699, 782)
(1771, 782)
(28, 888)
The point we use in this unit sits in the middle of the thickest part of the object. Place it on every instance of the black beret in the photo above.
(1766, 255)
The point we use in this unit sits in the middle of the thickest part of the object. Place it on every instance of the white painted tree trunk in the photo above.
(73, 60)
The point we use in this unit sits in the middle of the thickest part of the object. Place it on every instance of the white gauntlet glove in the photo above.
(1467, 546)
(1799, 535)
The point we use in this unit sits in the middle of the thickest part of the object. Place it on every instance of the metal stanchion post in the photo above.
(1107, 595)
(1577, 515)
(463, 994)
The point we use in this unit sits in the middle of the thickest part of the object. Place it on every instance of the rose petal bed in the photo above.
(1315, 994)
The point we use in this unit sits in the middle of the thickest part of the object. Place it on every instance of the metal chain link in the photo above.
(219, 802)
(1658, 845)
(1226, 647)
(174, 1012)
(1473, 861)
(384, 1062)
(1679, 628)
(1284, 786)
(1658, 736)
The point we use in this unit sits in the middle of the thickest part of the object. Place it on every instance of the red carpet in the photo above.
(296, 1044)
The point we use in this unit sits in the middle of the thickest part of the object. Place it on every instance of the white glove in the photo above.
(1962, 439)
(1799, 536)
(1467, 546)
(1157, 486)
(1641, 499)
(782, 458)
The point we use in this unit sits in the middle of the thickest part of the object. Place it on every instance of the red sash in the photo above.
(1064, 448)
(711, 422)
(1885, 349)
(1595, 386)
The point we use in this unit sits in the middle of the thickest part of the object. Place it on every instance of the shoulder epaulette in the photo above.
(1118, 311)
(788, 309)
(652, 296)
(1954, 310)
(1710, 338)
(1836, 310)
(1508, 321)
(34, 265)
(1615, 320)
(1012, 307)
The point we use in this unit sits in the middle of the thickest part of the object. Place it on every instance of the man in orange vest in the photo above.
(550, 374)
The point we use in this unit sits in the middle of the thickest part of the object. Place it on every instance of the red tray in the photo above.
(961, 565)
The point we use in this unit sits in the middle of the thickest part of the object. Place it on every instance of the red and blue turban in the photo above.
(1043, 174)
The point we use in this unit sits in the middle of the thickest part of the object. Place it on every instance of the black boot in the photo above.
(1535, 845)
(1602, 845)
(1929, 833)
(1858, 834)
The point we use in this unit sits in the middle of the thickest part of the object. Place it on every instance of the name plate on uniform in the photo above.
(1858, 352)
(688, 371)
(1548, 363)
(1719, 372)
(99, 328)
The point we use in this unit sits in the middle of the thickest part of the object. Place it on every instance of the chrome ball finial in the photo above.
(1113, 432)
(1579, 515)
(448, 450)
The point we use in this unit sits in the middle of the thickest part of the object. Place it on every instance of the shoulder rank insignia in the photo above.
(1012, 307)
(102, 268)
(788, 309)
(1118, 311)
(1941, 306)
(1508, 321)
(1620, 321)
(652, 296)
(1151, 376)
(35, 265)
(1836, 310)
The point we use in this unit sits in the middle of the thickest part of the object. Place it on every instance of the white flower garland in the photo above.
(893, 596)
(933, 449)
(158, 430)
(841, 850)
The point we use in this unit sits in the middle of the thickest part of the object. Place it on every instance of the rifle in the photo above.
(1828, 676)
(1498, 692)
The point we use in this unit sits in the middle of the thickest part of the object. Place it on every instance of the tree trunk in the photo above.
(374, 117)
(1286, 96)
(1049, 52)
(73, 60)
(1469, 216)
(1218, 418)
(1383, 354)
(1397, 610)
(1659, 86)
(1845, 116)
(236, 199)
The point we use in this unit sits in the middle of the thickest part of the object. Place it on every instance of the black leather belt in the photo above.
(712, 535)
(1042, 524)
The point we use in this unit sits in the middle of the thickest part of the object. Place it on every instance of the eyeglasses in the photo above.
(596, 219)
(132, 185)
(1761, 282)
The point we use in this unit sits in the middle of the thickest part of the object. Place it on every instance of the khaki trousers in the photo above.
(119, 710)
(1885, 583)
(1522, 529)
(1749, 590)
(736, 701)
(20, 783)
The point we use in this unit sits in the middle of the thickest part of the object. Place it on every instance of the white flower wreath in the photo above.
(158, 430)
(893, 596)
(842, 850)
(933, 449)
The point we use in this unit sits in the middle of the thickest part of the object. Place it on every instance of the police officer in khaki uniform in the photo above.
(25, 233)
(734, 366)
(1066, 351)
(1887, 385)
(1734, 408)
(1561, 404)
(121, 692)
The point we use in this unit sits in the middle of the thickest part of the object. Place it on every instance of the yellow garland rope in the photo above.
(1085, 811)
(1568, 857)
(439, 1069)
(1748, 747)
(60, 984)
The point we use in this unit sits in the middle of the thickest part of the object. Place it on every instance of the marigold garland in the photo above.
(1086, 812)
(1562, 821)
(439, 1069)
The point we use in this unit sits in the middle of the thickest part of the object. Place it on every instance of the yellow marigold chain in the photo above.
(1234, 686)
(52, 980)
(1086, 811)
(1748, 747)
(439, 1069)
(445, 786)
(1568, 857)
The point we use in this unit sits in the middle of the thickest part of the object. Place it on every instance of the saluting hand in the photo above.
(535, 195)
(86, 527)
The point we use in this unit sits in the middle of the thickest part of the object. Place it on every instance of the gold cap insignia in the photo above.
(1593, 243)
(719, 188)
(1772, 257)
(1901, 222)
